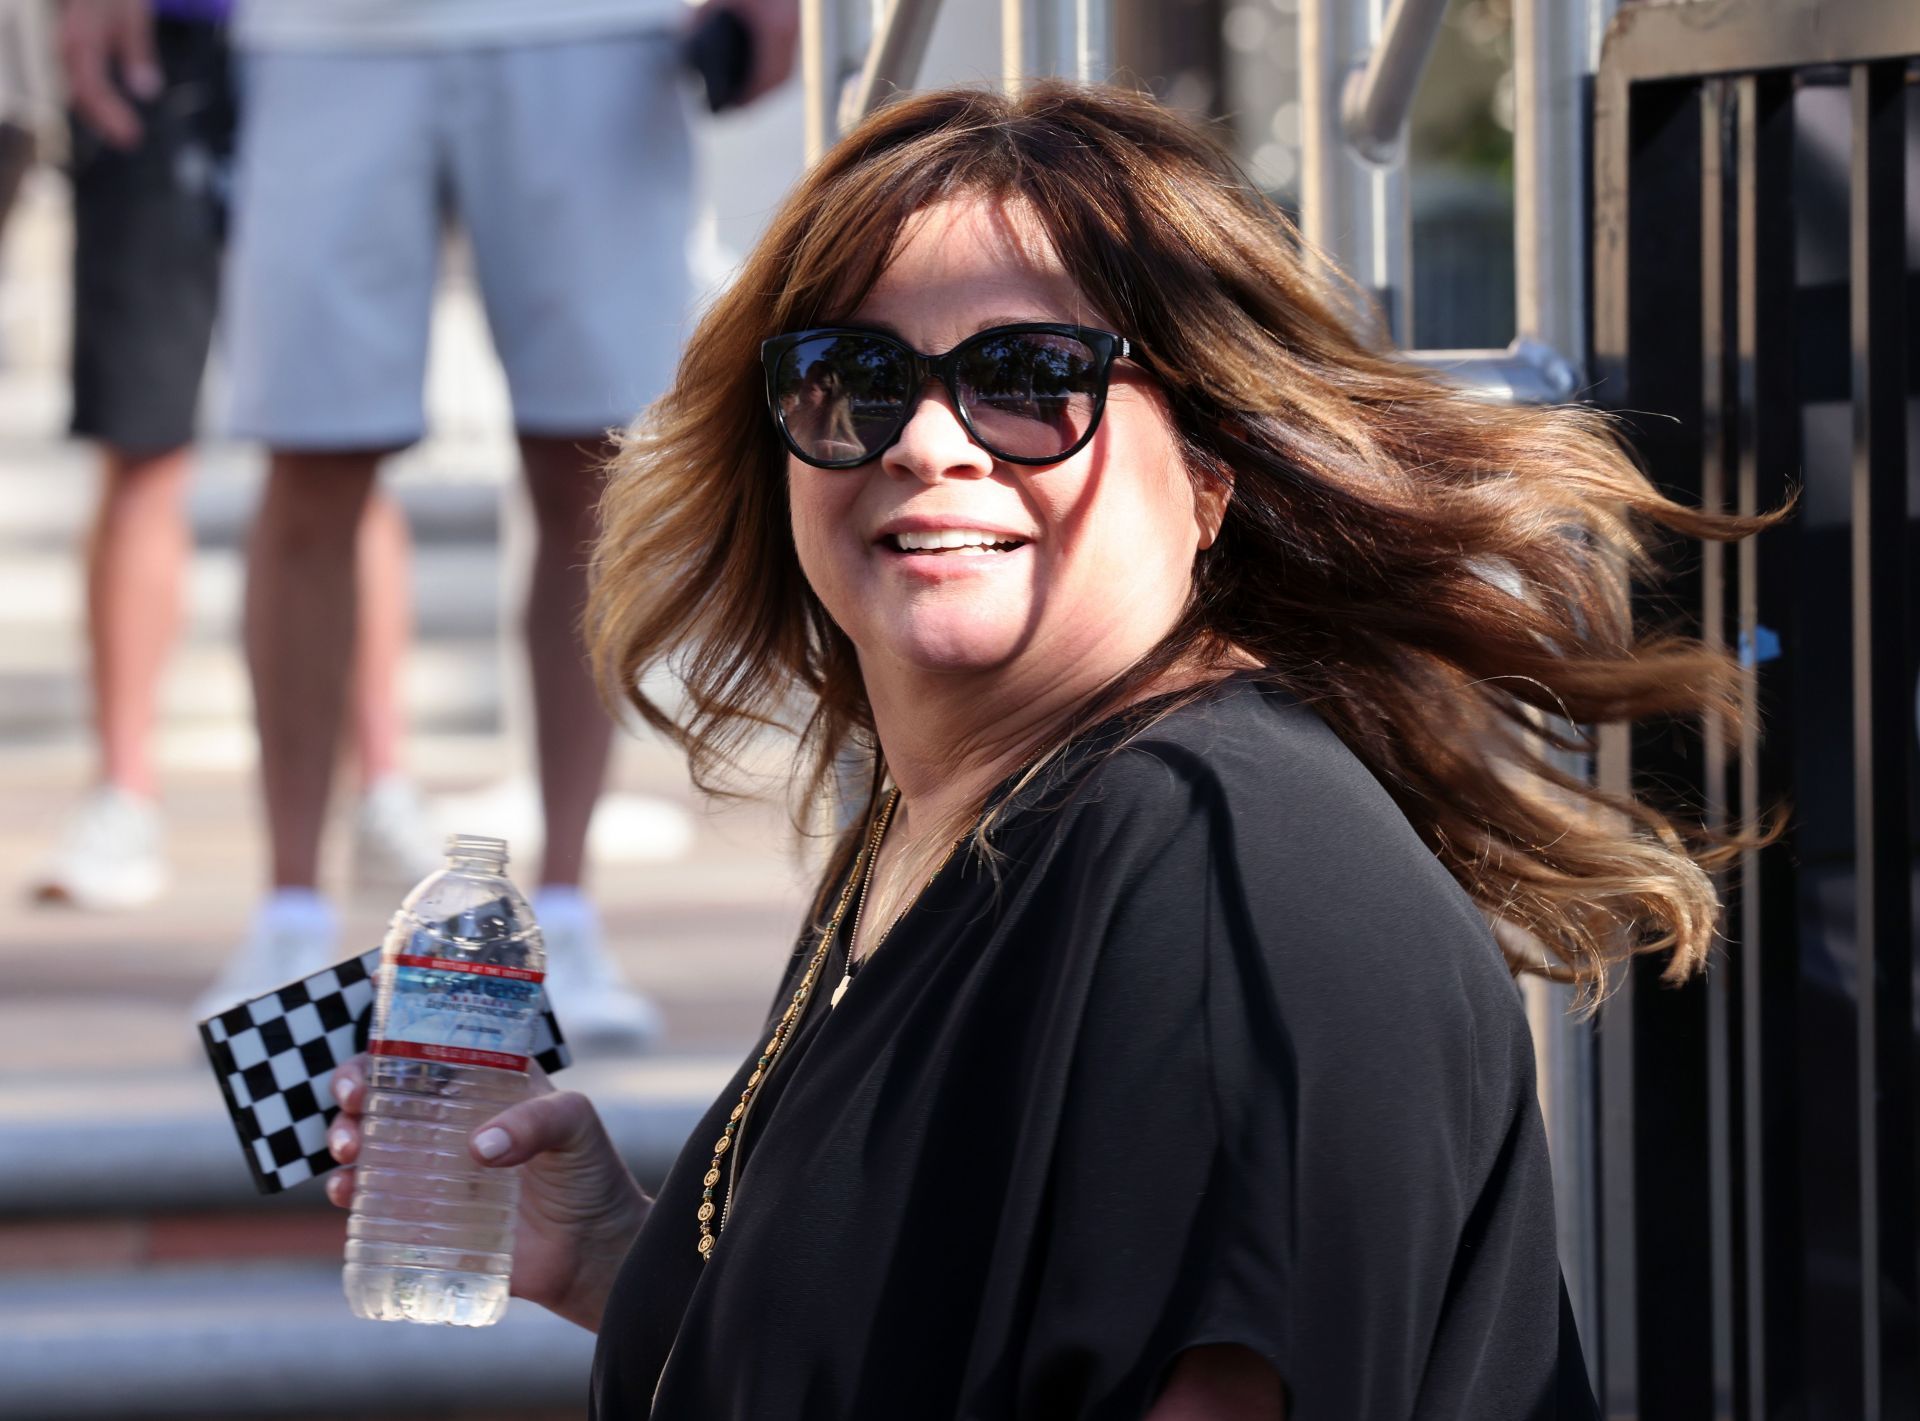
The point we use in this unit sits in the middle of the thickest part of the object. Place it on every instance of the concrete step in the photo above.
(452, 678)
(455, 593)
(451, 490)
(268, 1339)
(160, 1141)
(449, 686)
(142, 1276)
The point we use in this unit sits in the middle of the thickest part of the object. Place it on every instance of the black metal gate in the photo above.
(1755, 178)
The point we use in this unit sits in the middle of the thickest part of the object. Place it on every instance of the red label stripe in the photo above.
(472, 969)
(457, 1055)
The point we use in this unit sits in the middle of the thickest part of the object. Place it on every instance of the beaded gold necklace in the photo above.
(861, 877)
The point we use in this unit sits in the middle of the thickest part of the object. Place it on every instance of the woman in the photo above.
(1149, 1052)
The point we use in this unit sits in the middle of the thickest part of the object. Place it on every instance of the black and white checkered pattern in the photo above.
(275, 1055)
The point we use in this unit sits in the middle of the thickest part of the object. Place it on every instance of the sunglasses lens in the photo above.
(841, 396)
(1031, 394)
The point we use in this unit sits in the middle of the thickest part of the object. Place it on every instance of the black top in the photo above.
(1217, 1052)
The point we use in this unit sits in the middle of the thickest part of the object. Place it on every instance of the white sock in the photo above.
(392, 785)
(555, 903)
(298, 905)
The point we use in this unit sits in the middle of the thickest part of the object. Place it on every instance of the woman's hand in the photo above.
(579, 1206)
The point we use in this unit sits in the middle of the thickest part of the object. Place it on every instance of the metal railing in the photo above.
(852, 63)
(1758, 1131)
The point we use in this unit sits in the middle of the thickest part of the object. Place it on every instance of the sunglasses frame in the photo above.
(1106, 346)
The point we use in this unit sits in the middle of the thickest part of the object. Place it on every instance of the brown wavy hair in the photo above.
(1443, 579)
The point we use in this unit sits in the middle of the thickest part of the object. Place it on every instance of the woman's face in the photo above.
(1096, 551)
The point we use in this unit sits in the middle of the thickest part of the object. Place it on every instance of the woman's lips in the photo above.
(959, 559)
(961, 542)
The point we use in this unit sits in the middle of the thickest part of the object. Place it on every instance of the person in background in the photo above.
(152, 140)
(25, 96)
(554, 133)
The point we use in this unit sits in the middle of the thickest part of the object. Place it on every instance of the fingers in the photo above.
(775, 26)
(133, 50)
(98, 38)
(340, 1188)
(350, 1085)
(563, 1122)
(343, 1139)
(343, 1136)
(92, 94)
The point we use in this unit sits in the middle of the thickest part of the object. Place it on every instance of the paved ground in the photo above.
(88, 994)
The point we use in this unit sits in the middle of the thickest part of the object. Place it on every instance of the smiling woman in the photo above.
(1200, 656)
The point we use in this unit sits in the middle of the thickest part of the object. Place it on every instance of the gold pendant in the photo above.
(840, 991)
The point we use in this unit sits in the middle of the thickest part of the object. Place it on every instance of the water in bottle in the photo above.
(430, 1238)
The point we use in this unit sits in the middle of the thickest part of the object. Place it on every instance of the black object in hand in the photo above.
(720, 51)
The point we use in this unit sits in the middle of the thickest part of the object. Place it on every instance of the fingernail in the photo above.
(145, 82)
(343, 1090)
(492, 1143)
(337, 1140)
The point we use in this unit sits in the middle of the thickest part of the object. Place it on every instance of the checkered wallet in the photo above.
(275, 1055)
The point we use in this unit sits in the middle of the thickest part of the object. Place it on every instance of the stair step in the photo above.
(455, 590)
(161, 1141)
(449, 687)
(45, 511)
(450, 489)
(258, 1340)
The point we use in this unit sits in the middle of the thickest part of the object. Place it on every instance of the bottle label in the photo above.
(466, 1013)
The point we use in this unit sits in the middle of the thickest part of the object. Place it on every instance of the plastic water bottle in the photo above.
(430, 1238)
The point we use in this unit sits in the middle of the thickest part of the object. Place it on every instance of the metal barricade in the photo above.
(1751, 315)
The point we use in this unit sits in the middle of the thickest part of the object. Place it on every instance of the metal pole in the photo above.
(1013, 44)
(1093, 39)
(1555, 45)
(1375, 100)
(1067, 37)
(1525, 373)
(899, 44)
(1352, 213)
(821, 100)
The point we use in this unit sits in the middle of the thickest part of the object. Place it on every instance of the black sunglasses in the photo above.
(1029, 394)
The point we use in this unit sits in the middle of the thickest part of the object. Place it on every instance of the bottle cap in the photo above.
(477, 846)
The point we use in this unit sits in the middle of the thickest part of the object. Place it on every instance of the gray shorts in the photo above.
(568, 166)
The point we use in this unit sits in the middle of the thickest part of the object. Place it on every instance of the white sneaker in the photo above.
(590, 999)
(394, 845)
(293, 935)
(109, 855)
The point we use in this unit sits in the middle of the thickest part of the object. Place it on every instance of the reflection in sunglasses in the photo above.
(1027, 394)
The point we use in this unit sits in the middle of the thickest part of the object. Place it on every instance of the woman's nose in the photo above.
(934, 443)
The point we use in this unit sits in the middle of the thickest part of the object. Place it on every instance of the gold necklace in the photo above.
(866, 891)
(782, 1033)
(728, 1143)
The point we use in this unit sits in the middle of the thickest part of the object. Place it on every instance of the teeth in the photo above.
(950, 538)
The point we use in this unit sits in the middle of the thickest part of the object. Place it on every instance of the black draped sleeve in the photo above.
(1298, 1111)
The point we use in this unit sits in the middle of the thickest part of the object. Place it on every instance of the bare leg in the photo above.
(136, 567)
(385, 627)
(573, 734)
(299, 632)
